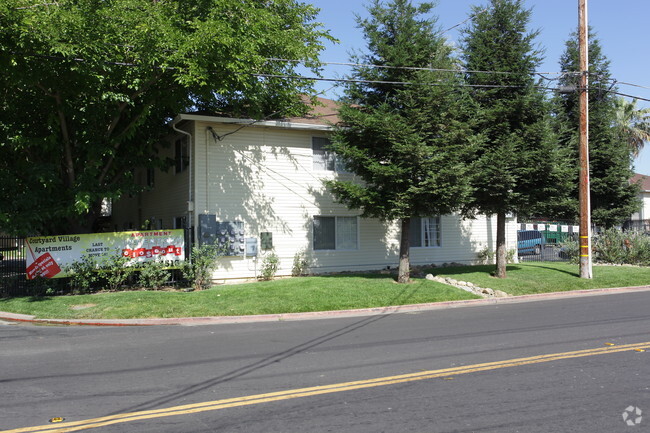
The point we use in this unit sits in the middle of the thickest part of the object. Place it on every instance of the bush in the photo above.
(203, 261)
(84, 277)
(116, 271)
(153, 275)
(486, 256)
(570, 250)
(300, 264)
(270, 265)
(610, 247)
(618, 247)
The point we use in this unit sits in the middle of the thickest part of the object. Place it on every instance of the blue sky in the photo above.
(620, 25)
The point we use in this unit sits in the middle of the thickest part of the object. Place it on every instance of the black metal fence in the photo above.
(12, 266)
(551, 249)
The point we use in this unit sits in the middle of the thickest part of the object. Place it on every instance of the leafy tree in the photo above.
(408, 143)
(633, 124)
(88, 87)
(518, 166)
(613, 198)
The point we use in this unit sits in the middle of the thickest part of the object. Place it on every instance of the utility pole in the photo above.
(585, 205)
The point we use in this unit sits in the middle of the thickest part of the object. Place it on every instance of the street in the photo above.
(575, 364)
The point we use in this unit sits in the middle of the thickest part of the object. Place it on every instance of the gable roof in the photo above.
(642, 180)
(325, 112)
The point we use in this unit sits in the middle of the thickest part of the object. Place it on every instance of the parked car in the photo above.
(530, 242)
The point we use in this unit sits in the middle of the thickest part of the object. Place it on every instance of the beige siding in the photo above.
(264, 177)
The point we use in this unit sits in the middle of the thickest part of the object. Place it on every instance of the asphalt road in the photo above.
(473, 369)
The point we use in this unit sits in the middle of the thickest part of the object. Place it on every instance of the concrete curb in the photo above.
(196, 321)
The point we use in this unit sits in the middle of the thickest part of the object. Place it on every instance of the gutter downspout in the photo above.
(190, 195)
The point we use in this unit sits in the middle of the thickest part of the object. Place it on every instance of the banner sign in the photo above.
(50, 256)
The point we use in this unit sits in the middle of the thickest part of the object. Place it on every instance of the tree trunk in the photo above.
(404, 272)
(501, 245)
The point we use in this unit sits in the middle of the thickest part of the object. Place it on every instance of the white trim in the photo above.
(252, 122)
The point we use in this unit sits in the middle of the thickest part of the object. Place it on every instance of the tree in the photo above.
(613, 198)
(518, 165)
(407, 143)
(633, 124)
(89, 86)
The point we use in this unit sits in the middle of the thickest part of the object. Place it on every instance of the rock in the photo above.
(500, 294)
(430, 277)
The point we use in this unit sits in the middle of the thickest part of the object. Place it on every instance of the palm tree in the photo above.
(633, 124)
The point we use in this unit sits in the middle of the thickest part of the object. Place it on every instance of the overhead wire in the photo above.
(349, 80)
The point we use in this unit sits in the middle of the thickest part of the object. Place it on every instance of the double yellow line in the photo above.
(319, 390)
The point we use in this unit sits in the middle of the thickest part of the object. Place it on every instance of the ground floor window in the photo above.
(425, 232)
(335, 233)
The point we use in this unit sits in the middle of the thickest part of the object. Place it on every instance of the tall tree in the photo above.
(518, 166)
(88, 86)
(633, 124)
(613, 198)
(404, 132)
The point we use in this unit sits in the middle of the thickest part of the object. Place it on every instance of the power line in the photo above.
(348, 80)
(403, 83)
(416, 68)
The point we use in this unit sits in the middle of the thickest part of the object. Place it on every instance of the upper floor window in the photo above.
(335, 233)
(324, 159)
(151, 177)
(181, 154)
(425, 232)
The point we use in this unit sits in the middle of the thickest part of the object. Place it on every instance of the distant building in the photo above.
(641, 220)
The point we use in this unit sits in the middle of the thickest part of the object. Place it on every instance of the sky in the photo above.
(621, 26)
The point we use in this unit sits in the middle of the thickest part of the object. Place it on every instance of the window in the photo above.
(425, 232)
(335, 233)
(324, 159)
(181, 155)
(151, 173)
(179, 222)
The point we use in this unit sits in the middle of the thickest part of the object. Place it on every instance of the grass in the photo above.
(547, 277)
(322, 293)
(279, 296)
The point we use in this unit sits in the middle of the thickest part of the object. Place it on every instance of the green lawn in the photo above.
(279, 296)
(546, 277)
(321, 293)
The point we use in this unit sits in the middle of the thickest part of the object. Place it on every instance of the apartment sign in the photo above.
(51, 256)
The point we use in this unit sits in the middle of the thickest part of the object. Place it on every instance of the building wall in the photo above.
(644, 211)
(160, 204)
(264, 177)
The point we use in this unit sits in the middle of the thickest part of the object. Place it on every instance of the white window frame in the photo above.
(337, 232)
(430, 227)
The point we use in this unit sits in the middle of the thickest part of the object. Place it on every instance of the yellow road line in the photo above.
(317, 390)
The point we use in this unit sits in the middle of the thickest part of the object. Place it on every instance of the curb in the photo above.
(215, 320)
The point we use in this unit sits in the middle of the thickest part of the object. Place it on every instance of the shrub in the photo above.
(116, 271)
(300, 264)
(610, 246)
(83, 275)
(153, 275)
(270, 265)
(618, 247)
(570, 249)
(203, 260)
(486, 256)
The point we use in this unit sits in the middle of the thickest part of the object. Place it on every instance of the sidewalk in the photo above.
(196, 321)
